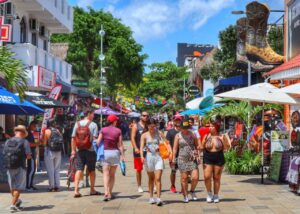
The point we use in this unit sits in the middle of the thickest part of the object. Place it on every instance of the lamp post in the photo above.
(101, 58)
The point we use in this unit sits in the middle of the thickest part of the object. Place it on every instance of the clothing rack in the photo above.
(294, 153)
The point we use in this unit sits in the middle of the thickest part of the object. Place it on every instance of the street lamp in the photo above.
(101, 58)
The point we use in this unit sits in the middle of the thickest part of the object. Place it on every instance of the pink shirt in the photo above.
(110, 136)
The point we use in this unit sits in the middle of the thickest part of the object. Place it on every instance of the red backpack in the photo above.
(83, 137)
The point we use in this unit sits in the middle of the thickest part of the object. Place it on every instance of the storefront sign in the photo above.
(3, 1)
(275, 167)
(294, 29)
(80, 83)
(279, 141)
(194, 90)
(45, 78)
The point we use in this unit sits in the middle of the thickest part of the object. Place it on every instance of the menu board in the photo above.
(274, 172)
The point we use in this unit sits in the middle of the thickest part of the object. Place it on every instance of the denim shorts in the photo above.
(17, 178)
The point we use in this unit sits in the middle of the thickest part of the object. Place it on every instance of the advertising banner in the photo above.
(54, 94)
(44, 78)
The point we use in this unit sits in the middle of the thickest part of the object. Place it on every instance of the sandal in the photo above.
(78, 195)
(95, 193)
(106, 198)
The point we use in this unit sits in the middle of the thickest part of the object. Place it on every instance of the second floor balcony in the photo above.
(30, 55)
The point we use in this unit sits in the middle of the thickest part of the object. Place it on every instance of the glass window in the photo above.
(67, 72)
(60, 68)
(23, 31)
(45, 45)
(62, 6)
(34, 39)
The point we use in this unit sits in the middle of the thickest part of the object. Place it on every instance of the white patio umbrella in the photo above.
(291, 89)
(195, 103)
(261, 92)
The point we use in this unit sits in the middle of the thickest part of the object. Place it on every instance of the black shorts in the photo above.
(85, 157)
(213, 158)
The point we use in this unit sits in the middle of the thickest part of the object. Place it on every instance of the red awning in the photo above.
(293, 63)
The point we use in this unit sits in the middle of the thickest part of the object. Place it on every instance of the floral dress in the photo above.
(185, 157)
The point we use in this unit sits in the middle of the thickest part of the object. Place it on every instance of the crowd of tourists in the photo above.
(180, 142)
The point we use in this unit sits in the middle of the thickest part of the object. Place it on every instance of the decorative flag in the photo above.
(251, 133)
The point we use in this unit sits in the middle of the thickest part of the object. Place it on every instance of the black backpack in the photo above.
(14, 153)
(55, 141)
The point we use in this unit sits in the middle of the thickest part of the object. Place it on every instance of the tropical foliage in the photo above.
(124, 61)
(275, 39)
(241, 110)
(13, 72)
(164, 81)
(246, 163)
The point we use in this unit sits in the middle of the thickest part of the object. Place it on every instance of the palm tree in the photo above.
(13, 72)
(241, 110)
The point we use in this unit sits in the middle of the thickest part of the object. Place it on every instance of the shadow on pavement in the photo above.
(232, 199)
(38, 208)
(44, 188)
(133, 197)
(258, 181)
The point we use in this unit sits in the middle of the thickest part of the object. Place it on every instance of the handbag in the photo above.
(163, 148)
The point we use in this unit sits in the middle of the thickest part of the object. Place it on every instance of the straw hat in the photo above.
(21, 128)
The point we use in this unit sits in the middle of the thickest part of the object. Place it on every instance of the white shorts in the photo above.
(153, 162)
(111, 158)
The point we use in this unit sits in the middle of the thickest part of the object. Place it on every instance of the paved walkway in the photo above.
(239, 194)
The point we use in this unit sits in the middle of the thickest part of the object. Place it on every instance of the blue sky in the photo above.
(160, 24)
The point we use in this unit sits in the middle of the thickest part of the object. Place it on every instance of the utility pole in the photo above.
(101, 57)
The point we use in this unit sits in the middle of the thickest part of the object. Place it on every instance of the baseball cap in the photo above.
(185, 124)
(177, 117)
(112, 118)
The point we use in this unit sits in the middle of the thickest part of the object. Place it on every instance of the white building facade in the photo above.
(33, 21)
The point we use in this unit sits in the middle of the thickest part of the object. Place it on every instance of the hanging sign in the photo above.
(3, 1)
(194, 90)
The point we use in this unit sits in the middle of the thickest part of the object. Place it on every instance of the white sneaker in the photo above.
(159, 202)
(14, 209)
(216, 199)
(194, 196)
(209, 197)
(186, 199)
(140, 189)
(152, 201)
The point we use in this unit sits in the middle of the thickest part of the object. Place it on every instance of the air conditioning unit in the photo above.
(9, 9)
(34, 25)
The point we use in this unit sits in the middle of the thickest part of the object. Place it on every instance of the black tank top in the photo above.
(138, 135)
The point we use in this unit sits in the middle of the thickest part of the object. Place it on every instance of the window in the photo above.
(45, 45)
(60, 68)
(69, 12)
(62, 6)
(53, 64)
(23, 31)
(67, 72)
(34, 39)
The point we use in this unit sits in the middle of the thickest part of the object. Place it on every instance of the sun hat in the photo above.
(21, 128)
(112, 118)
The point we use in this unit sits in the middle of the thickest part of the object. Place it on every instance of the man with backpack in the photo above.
(16, 151)
(84, 133)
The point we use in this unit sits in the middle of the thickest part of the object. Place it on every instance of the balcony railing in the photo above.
(30, 55)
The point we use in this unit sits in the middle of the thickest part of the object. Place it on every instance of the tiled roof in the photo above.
(293, 63)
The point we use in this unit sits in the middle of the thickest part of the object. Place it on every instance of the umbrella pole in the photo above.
(262, 145)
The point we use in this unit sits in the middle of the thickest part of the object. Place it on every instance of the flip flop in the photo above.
(77, 195)
(95, 193)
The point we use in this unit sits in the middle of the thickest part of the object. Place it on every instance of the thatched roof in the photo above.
(59, 50)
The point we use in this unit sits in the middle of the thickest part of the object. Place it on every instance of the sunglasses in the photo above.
(145, 115)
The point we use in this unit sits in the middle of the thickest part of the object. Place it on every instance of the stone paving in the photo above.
(239, 194)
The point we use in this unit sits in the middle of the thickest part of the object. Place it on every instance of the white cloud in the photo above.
(151, 19)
